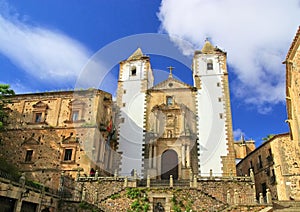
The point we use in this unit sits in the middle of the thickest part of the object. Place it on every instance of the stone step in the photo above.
(291, 209)
(286, 206)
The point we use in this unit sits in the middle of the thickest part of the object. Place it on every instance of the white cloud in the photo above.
(256, 34)
(237, 134)
(45, 54)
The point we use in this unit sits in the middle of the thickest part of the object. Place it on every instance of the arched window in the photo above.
(133, 71)
(169, 134)
(210, 65)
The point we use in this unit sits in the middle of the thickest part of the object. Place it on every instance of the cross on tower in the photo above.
(170, 69)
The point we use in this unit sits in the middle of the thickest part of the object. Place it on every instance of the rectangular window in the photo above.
(221, 116)
(218, 84)
(133, 71)
(169, 100)
(38, 117)
(68, 155)
(260, 161)
(75, 115)
(28, 157)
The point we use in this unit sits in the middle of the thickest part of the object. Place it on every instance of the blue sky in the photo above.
(44, 46)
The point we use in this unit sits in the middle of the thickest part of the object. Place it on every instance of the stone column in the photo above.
(96, 197)
(126, 182)
(83, 197)
(269, 197)
(191, 178)
(228, 198)
(261, 198)
(236, 197)
(18, 205)
(96, 174)
(116, 174)
(171, 181)
(252, 175)
(154, 156)
(195, 181)
(150, 156)
(188, 156)
(183, 155)
(22, 189)
(148, 181)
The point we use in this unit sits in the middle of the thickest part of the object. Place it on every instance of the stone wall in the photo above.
(278, 169)
(226, 191)
(22, 194)
(42, 138)
(109, 194)
(287, 168)
(292, 63)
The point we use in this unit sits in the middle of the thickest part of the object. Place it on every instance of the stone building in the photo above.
(276, 162)
(47, 133)
(292, 63)
(275, 167)
(242, 148)
(173, 128)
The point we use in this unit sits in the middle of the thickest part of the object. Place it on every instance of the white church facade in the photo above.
(173, 128)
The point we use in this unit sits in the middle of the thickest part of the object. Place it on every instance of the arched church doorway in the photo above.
(169, 165)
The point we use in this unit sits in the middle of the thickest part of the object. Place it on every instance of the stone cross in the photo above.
(170, 69)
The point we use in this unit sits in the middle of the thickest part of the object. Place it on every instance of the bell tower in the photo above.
(213, 111)
(135, 77)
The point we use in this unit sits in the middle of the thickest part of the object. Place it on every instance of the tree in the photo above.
(4, 92)
(268, 137)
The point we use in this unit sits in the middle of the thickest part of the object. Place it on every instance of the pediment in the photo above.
(70, 139)
(76, 102)
(40, 105)
(30, 141)
(171, 83)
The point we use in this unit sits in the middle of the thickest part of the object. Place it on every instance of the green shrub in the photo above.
(176, 208)
(136, 206)
(133, 193)
(146, 207)
(115, 196)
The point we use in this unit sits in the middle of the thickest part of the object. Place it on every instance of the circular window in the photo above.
(170, 84)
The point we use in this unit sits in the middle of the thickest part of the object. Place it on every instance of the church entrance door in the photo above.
(169, 165)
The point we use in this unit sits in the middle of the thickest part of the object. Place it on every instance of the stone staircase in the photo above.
(111, 194)
(289, 206)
